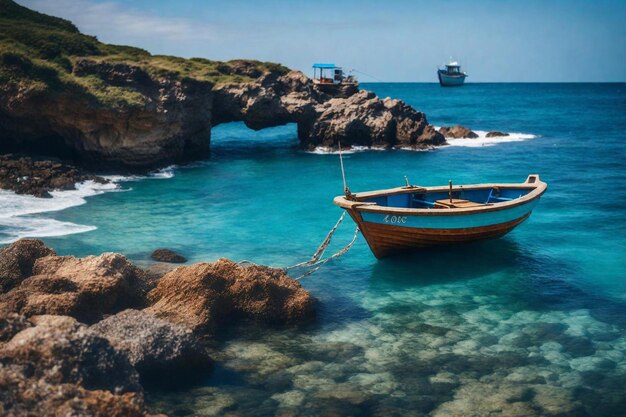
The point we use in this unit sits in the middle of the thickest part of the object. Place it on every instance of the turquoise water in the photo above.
(530, 324)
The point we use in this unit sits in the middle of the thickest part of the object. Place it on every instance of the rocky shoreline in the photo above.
(81, 335)
(24, 175)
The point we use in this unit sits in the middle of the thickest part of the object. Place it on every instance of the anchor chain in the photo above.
(316, 260)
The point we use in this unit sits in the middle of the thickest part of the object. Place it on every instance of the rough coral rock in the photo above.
(205, 294)
(61, 350)
(84, 288)
(17, 260)
(60, 367)
(156, 347)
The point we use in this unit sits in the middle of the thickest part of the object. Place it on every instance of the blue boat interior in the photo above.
(427, 200)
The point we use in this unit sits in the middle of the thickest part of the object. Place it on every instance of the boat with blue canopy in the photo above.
(411, 217)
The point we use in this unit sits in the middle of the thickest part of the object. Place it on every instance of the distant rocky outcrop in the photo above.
(204, 295)
(27, 176)
(114, 106)
(496, 134)
(365, 120)
(167, 255)
(457, 132)
(360, 119)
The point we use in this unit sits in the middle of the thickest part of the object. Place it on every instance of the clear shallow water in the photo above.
(531, 324)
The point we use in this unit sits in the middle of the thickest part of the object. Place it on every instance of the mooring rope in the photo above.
(316, 262)
(322, 248)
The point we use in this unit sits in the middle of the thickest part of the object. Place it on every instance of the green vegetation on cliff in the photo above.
(39, 53)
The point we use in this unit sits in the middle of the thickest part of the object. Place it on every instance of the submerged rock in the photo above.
(205, 294)
(168, 255)
(157, 348)
(17, 260)
(84, 288)
(457, 132)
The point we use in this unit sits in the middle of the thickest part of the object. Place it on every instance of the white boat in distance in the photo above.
(451, 76)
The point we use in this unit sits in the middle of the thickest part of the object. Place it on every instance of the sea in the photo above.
(531, 324)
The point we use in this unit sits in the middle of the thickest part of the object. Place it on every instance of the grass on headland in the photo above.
(39, 51)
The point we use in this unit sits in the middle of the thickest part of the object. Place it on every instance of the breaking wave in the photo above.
(23, 215)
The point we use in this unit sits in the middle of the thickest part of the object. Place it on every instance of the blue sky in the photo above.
(550, 40)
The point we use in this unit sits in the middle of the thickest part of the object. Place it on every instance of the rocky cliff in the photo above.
(65, 94)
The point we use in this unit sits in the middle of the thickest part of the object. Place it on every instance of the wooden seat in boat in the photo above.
(456, 203)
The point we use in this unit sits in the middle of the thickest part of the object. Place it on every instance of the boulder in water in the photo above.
(168, 255)
(205, 294)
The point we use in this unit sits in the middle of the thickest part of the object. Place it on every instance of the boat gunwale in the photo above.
(537, 189)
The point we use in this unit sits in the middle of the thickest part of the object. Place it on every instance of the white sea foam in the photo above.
(324, 150)
(483, 140)
(160, 174)
(21, 215)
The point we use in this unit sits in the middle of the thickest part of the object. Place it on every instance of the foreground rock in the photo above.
(83, 288)
(496, 134)
(168, 255)
(206, 294)
(60, 367)
(457, 132)
(62, 350)
(157, 348)
(17, 260)
(27, 176)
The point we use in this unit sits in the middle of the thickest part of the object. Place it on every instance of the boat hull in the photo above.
(388, 239)
(446, 80)
(405, 218)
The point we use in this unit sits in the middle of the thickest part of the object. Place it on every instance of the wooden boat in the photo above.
(410, 217)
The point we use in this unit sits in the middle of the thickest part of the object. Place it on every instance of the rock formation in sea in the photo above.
(53, 363)
(457, 132)
(65, 94)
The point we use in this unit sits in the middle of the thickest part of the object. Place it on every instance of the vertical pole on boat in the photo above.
(450, 192)
(346, 190)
